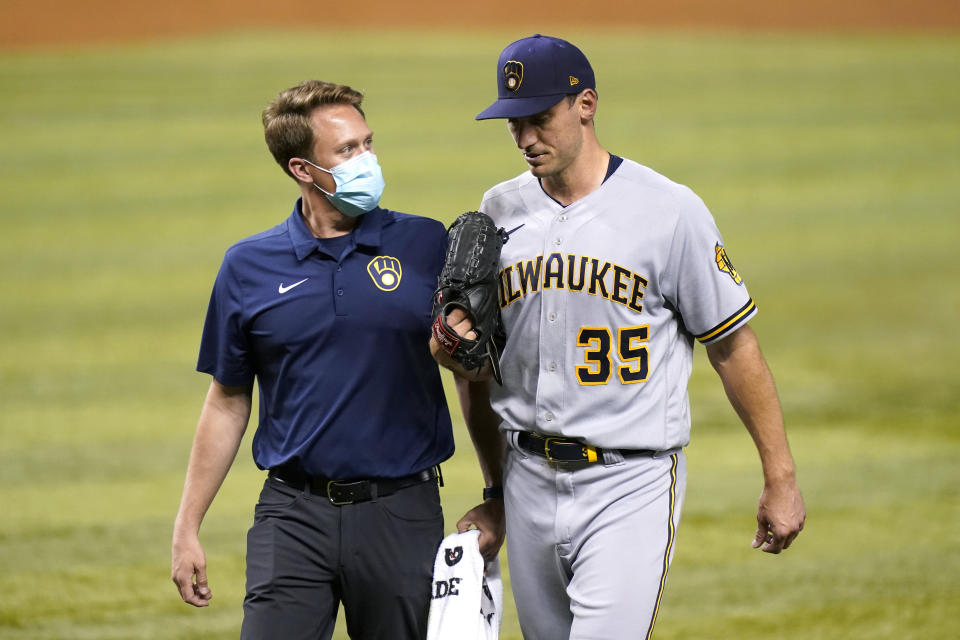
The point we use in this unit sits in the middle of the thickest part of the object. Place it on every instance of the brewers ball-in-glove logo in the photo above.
(453, 556)
(724, 264)
(385, 272)
(513, 75)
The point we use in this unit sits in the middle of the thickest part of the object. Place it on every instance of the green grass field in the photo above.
(831, 163)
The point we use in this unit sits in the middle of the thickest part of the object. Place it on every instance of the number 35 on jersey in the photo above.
(606, 350)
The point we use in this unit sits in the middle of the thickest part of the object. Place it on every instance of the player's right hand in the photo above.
(188, 570)
(459, 320)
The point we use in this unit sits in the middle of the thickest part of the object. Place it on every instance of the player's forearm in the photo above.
(220, 429)
(750, 388)
(483, 424)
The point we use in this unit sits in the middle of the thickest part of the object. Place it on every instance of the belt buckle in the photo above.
(554, 440)
(333, 485)
(589, 453)
(546, 448)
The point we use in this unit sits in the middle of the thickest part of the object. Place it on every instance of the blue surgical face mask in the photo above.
(359, 183)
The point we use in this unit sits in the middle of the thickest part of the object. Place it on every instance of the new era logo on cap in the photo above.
(535, 73)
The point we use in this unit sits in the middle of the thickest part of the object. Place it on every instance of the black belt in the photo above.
(564, 450)
(341, 492)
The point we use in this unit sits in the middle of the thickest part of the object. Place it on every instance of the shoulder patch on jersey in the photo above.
(385, 271)
(724, 264)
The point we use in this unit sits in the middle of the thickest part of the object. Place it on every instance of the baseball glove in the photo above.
(469, 282)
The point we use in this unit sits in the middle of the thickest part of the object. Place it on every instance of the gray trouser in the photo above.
(589, 545)
(305, 556)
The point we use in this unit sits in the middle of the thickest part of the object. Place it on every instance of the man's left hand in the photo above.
(780, 517)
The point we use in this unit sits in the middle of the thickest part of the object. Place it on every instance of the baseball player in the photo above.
(610, 274)
(329, 311)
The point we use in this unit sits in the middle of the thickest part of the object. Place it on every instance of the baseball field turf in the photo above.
(831, 162)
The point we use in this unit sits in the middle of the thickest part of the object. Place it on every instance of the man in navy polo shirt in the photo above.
(330, 312)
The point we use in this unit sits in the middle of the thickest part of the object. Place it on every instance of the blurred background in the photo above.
(824, 137)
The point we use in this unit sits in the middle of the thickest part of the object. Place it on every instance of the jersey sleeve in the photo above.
(706, 289)
(483, 203)
(224, 349)
(491, 205)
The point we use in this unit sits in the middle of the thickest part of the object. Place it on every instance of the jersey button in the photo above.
(557, 241)
(339, 292)
(552, 317)
(552, 366)
(548, 416)
(339, 268)
(562, 218)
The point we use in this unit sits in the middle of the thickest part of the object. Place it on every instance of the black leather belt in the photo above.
(565, 450)
(341, 492)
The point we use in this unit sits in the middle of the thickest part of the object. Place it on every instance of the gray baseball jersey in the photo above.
(602, 301)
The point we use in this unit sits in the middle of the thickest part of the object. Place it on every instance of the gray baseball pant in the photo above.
(589, 545)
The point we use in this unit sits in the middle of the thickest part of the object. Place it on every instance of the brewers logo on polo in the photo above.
(385, 272)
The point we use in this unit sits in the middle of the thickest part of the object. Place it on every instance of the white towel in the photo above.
(467, 598)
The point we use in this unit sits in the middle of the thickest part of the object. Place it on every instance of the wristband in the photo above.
(495, 493)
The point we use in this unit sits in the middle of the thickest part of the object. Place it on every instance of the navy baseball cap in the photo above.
(534, 73)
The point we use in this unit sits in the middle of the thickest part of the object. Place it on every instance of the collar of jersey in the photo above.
(367, 233)
(613, 163)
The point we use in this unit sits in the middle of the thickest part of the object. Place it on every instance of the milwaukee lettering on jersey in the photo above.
(574, 273)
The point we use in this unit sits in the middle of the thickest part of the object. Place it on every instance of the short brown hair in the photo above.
(286, 120)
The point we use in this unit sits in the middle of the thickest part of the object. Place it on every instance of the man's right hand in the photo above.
(226, 411)
(189, 570)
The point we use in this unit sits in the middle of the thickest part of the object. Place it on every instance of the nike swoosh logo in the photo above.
(284, 289)
(505, 235)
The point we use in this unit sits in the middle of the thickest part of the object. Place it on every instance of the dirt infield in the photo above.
(29, 24)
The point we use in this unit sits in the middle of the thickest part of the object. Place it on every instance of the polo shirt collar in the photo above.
(367, 232)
